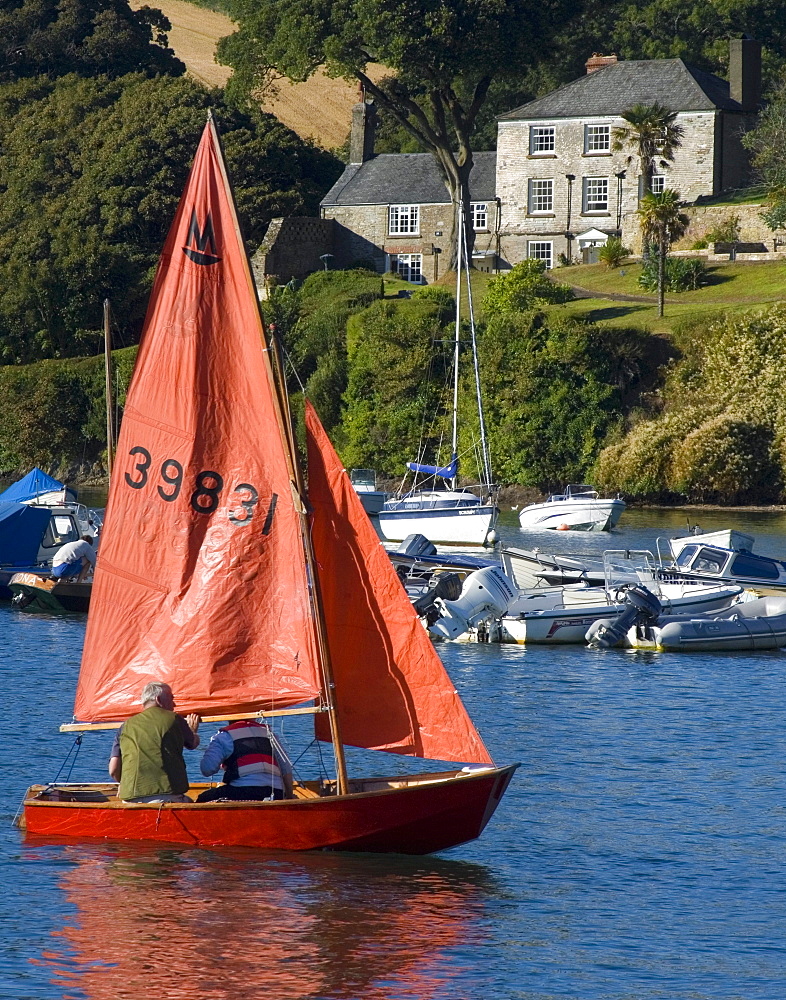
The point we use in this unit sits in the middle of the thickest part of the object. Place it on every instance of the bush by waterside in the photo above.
(722, 435)
(54, 413)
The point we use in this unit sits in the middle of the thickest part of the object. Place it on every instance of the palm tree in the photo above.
(652, 131)
(662, 223)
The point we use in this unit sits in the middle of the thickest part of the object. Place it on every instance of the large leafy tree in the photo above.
(767, 143)
(443, 55)
(88, 37)
(652, 132)
(104, 163)
(662, 223)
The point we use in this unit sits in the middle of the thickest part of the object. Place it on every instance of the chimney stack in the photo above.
(745, 72)
(361, 139)
(597, 61)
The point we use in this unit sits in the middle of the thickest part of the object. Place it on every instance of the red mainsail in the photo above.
(201, 579)
(392, 691)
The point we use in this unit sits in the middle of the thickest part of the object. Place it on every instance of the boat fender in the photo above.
(641, 607)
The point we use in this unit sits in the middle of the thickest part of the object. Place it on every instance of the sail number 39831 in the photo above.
(206, 493)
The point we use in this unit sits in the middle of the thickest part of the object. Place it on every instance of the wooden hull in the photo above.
(35, 591)
(405, 815)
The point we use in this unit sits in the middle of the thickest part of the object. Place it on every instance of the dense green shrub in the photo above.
(681, 274)
(554, 390)
(397, 396)
(442, 297)
(729, 459)
(722, 437)
(317, 340)
(523, 287)
(54, 414)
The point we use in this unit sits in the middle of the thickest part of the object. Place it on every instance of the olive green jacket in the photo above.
(151, 749)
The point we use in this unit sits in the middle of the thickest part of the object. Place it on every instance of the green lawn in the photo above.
(734, 287)
(742, 196)
(737, 281)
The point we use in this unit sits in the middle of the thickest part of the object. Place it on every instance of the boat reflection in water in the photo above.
(156, 922)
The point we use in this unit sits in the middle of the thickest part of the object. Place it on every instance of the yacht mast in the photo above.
(456, 347)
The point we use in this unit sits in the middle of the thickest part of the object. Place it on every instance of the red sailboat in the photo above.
(222, 576)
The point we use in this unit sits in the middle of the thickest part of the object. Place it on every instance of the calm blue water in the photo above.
(638, 854)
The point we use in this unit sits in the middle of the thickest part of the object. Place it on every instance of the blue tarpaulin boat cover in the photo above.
(21, 531)
(447, 471)
(33, 485)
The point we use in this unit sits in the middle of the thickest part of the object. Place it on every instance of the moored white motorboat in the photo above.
(724, 555)
(575, 610)
(498, 612)
(579, 508)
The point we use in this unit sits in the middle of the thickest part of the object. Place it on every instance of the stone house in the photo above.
(554, 189)
(393, 210)
(564, 190)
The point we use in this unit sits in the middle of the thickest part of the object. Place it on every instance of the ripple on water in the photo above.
(637, 855)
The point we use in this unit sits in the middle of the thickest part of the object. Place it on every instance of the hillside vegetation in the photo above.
(697, 416)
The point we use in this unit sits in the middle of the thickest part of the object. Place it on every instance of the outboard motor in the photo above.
(486, 594)
(641, 607)
(417, 545)
(429, 605)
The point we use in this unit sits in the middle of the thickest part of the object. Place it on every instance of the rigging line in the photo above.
(288, 361)
(74, 748)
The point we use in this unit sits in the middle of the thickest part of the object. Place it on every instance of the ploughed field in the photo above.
(319, 109)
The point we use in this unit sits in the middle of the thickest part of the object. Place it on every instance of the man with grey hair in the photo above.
(147, 755)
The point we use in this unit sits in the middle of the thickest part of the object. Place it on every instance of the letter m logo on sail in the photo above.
(200, 240)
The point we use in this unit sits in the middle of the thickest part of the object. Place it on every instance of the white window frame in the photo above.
(592, 196)
(480, 215)
(597, 139)
(404, 220)
(542, 250)
(540, 196)
(405, 265)
(658, 183)
(542, 140)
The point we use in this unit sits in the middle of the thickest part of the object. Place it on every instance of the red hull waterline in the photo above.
(415, 815)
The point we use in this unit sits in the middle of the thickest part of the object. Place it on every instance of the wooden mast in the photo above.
(110, 437)
(283, 413)
(324, 652)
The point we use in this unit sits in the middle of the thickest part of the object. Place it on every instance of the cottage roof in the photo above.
(407, 179)
(618, 86)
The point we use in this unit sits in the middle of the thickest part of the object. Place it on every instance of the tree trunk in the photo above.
(456, 178)
(661, 273)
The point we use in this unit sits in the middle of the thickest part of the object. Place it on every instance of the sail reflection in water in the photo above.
(157, 922)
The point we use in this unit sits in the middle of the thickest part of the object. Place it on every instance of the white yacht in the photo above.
(449, 516)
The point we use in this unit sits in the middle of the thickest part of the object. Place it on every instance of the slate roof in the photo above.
(616, 87)
(407, 179)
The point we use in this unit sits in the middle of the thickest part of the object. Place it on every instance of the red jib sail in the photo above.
(201, 578)
(392, 691)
